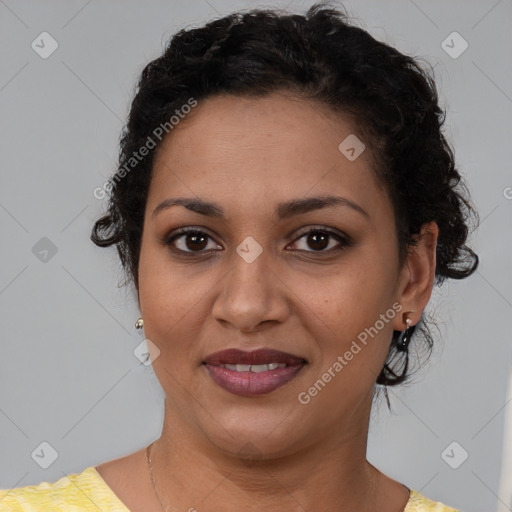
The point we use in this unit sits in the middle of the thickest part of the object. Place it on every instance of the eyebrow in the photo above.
(284, 210)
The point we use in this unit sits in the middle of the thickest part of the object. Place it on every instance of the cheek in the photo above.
(347, 306)
(355, 292)
(162, 284)
(174, 305)
(162, 295)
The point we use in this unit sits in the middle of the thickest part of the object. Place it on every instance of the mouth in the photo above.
(252, 373)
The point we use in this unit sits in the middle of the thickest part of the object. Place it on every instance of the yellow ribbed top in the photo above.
(87, 491)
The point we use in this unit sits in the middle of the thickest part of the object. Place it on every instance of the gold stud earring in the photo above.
(139, 324)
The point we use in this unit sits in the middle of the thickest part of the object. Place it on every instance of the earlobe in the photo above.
(403, 341)
(419, 268)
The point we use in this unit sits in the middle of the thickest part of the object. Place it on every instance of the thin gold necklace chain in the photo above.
(372, 494)
(148, 457)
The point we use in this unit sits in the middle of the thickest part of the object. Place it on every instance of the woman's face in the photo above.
(253, 279)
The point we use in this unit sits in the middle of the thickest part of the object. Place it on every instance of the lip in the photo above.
(260, 356)
(249, 383)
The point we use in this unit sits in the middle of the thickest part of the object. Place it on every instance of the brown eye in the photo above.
(195, 241)
(321, 239)
(318, 240)
(189, 241)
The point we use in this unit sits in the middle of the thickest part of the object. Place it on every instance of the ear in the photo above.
(417, 276)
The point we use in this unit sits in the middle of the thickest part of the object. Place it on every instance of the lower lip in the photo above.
(252, 383)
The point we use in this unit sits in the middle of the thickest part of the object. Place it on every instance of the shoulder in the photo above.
(419, 503)
(84, 491)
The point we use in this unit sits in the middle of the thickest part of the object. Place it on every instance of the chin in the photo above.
(261, 434)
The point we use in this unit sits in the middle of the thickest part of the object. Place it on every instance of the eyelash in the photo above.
(169, 240)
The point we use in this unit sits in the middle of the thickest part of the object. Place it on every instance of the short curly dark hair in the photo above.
(321, 57)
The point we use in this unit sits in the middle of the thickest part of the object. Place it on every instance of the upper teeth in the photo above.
(254, 367)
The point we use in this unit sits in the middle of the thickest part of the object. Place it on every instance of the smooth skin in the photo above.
(247, 155)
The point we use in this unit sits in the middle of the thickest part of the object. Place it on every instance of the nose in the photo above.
(252, 296)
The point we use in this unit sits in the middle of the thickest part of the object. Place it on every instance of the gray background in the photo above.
(67, 372)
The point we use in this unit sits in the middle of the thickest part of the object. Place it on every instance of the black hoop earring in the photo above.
(402, 343)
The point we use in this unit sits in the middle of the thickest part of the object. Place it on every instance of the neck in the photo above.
(331, 474)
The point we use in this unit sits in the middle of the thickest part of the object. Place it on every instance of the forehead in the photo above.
(249, 151)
